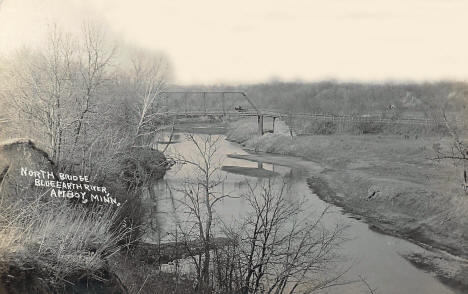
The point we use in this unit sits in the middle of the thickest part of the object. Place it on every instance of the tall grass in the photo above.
(242, 130)
(61, 241)
(322, 127)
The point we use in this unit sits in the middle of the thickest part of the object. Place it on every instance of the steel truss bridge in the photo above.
(228, 111)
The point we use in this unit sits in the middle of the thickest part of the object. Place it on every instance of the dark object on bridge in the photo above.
(240, 109)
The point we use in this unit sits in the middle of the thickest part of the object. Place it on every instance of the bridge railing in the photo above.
(311, 116)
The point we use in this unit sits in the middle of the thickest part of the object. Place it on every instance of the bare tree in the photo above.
(291, 121)
(53, 91)
(200, 194)
(40, 85)
(456, 124)
(147, 77)
(368, 286)
(95, 59)
(286, 249)
(279, 247)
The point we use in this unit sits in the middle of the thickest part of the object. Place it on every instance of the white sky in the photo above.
(256, 40)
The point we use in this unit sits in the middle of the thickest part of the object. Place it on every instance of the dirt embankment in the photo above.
(391, 182)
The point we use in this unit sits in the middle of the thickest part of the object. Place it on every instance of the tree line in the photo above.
(93, 104)
(332, 97)
(82, 98)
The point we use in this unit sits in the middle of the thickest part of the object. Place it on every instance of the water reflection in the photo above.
(376, 257)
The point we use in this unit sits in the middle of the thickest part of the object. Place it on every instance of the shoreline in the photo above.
(424, 262)
(448, 264)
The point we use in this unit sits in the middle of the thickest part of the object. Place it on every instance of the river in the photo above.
(371, 255)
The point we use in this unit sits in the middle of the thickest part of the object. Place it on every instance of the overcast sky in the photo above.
(257, 40)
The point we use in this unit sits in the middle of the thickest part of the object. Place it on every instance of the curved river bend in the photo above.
(374, 256)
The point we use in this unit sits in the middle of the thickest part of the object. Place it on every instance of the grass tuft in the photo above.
(60, 241)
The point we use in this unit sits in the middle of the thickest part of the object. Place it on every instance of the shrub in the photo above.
(141, 165)
(242, 130)
(369, 127)
(320, 127)
(59, 242)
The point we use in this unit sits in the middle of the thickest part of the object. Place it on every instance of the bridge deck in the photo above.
(318, 116)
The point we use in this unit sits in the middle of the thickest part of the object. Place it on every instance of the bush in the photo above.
(60, 243)
(141, 165)
(242, 130)
(369, 127)
(320, 127)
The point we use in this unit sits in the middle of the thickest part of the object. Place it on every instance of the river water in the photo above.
(373, 256)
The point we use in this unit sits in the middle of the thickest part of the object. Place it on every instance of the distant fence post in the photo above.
(224, 105)
(204, 102)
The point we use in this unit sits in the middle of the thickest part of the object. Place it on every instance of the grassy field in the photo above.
(388, 179)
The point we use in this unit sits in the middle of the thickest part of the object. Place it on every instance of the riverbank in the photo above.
(58, 245)
(390, 182)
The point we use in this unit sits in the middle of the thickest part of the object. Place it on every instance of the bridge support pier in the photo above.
(274, 118)
(260, 125)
